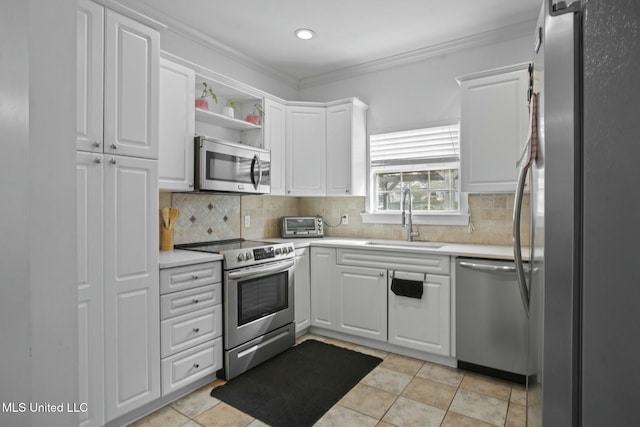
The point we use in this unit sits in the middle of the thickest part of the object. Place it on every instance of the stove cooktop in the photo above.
(222, 246)
(243, 253)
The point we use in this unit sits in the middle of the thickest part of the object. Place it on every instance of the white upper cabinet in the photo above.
(275, 115)
(117, 89)
(90, 68)
(132, 58)
(305, 151)
(493, 128)
(177, 122)
(347, 149)
(326, 149)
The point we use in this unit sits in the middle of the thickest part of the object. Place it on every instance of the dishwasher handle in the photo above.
(488, 267)
(491, 268)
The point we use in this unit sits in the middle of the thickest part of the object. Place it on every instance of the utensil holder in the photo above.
(166, 239)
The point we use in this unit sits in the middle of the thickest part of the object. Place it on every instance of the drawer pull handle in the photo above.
(194, 277)
(196, 365)
(195, 300)
(196, 330)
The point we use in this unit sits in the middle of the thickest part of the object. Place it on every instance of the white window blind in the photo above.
(419, 146)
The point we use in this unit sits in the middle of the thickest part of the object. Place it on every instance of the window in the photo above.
(426, 161)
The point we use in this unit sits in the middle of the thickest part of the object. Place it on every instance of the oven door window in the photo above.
(301, 224)
(260, 297)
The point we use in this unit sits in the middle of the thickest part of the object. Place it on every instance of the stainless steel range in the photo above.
(258, 300)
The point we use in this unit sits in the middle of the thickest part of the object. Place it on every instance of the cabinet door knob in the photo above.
(194, 277)
(195, 301)
(196, 365)
(96, 143)
(97, 160)
(196, 330)
(114, 146)
(190, 185)
(112, 161)
(346, 191)
(381, 274)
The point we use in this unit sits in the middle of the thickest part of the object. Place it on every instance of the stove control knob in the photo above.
(290, 249)
(240, 257)
(278, 251)
(248, 255)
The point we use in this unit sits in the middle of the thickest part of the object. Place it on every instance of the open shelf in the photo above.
(210, 117)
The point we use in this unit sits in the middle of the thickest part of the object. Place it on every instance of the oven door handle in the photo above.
(261, 271)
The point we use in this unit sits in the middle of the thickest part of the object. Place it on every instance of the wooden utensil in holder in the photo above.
(169, 216)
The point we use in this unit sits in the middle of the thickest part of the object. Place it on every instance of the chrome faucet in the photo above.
(410, 233)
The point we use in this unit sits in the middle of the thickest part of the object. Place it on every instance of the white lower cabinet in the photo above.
(421, 324)
(302, 286)
(131, 303)
(191, 323)
(118, 307)
(90, 179)
(184, 368)
(351, 293)
(323, 265)
(361, 296)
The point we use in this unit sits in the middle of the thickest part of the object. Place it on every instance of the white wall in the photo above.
(38, 298)
(15, 369)
(416, 94)
(52, 210)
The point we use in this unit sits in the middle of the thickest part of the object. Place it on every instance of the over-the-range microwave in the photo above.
(231, 167)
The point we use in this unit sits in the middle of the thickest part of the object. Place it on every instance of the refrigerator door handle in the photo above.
(517, 248)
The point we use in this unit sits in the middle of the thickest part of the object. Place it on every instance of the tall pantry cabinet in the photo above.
(117, 184)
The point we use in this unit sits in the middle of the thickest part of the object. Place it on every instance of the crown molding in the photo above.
(520, 29)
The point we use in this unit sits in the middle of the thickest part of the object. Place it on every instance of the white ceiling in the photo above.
(349, 32)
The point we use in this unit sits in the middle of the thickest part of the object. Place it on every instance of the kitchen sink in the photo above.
(405, 245)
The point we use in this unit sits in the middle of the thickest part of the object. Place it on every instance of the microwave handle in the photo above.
(255, 160)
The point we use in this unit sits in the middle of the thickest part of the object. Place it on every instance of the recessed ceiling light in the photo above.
(304, 33)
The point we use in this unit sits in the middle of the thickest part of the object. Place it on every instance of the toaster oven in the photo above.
(302, 226)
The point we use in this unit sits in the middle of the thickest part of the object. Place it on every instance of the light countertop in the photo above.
(180, 257)
(442, 248)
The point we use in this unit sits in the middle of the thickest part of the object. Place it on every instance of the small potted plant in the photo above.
(257, 116)
(232, 106)
(206, 91)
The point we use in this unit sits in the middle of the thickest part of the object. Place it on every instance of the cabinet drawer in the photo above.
(181, 332)
(190, 300)
(405, 260)
(189, 276)
(185, 367)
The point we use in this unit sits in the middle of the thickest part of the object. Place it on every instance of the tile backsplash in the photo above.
(205, 217)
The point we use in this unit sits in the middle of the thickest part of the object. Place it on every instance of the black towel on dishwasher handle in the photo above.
(407, 288)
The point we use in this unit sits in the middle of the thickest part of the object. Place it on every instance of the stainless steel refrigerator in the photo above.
(584, 351)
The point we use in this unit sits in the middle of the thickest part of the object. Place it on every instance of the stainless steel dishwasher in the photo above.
(491, 321)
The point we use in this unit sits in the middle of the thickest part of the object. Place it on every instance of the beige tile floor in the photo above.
(401, 391)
